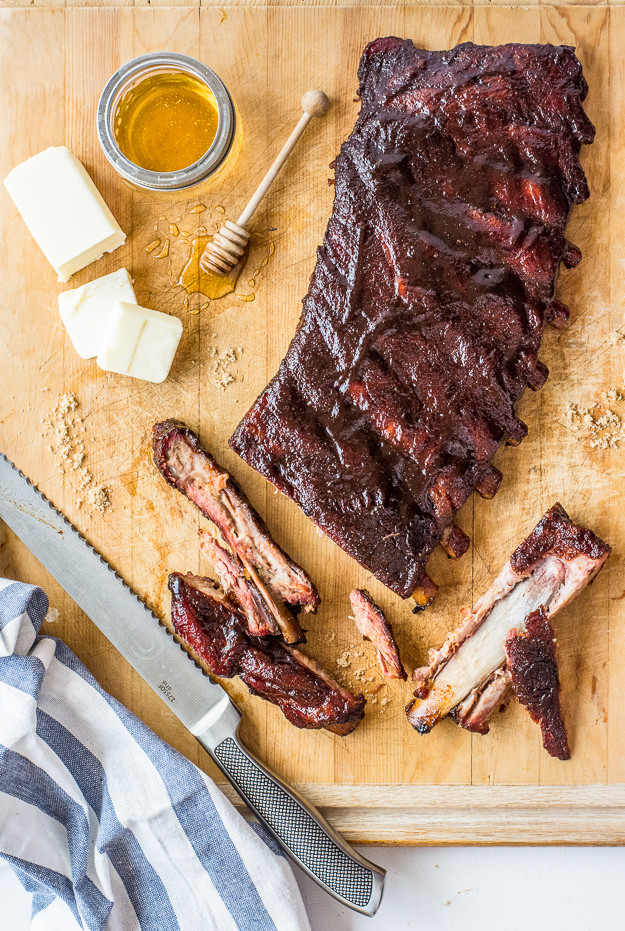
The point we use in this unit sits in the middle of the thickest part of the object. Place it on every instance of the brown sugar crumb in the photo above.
(66, 428)
(365, 676)
(98, 498)
(613, 394)
(52, 616)
(605, 428)
(616, 338)
(344, 659)
(220, 362)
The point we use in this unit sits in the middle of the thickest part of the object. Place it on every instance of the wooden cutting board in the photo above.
(384, 782)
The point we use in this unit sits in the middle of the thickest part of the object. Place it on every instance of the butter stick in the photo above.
(63, 210)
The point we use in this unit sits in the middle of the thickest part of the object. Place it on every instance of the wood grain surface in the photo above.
(380, 781)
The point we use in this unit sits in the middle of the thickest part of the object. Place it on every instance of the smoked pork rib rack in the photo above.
(425, 312)
(213, 625)
(505, 644)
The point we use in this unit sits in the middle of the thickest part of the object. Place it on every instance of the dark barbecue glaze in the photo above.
(556, 534)
(214, 627)
(425, 312)
(534, 669)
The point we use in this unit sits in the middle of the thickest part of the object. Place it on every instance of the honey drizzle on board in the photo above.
(192, 279)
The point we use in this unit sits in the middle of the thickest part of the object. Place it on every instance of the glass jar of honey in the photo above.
(166, 122)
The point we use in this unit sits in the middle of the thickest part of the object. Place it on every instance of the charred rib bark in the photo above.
(534, 673)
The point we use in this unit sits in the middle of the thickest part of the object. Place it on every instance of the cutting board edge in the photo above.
(470, 815)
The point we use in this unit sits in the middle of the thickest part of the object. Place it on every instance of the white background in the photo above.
(456, 889)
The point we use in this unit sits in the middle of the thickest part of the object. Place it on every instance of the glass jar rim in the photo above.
(136, 70)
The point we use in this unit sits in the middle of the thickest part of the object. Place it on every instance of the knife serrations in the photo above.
(133, 629)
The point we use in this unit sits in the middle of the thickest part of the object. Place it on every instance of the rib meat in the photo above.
(231, 575)
(192, 470)
(425, 312)
(372, 624)
(534, 672)
(474, 712)
(472, 672)
(215, 628)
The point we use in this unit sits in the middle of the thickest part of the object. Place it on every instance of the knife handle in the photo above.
(300, 829)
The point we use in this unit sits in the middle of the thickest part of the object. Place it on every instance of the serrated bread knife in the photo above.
(201, 705)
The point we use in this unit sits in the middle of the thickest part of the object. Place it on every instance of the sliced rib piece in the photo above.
(549, 568)
(231, 574)
(372, 624)
(307, 695)
(188, 467)
(483, 652)
(425, 312)
(208, 621)
(535, 681)
(212, 624)
(265, 612)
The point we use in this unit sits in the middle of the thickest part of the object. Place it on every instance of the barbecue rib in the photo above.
(506, 642)
(193, 471)
(425, 312)
(534, 672)
(372, 624)
(212, 624)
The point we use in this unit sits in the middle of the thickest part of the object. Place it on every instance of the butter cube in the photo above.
(86, 311)
(140, 342)
(64, 210)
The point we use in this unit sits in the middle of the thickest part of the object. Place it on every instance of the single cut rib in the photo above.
(471, 674)
(192, 470)
(484, 652)
(372, 624)
(425, 312)
(212, 624)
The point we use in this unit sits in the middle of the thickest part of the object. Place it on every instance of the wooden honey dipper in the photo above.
(228, 245)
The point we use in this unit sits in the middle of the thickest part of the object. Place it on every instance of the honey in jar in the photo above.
(166, 122)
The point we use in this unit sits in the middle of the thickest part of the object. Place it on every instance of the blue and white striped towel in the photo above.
(105, 824)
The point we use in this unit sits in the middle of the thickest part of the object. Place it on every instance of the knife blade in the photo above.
(201, 705)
